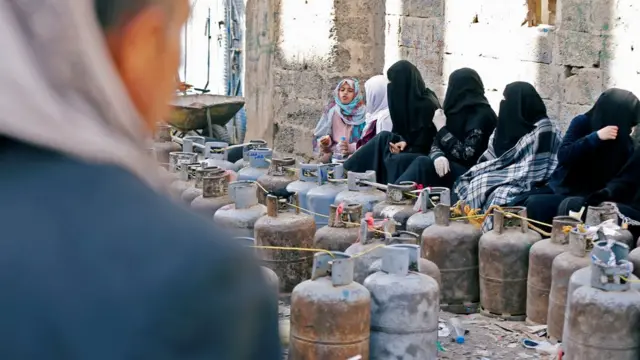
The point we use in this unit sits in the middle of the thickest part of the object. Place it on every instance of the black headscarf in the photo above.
(520, 110)
(465, 94)
(411, 103)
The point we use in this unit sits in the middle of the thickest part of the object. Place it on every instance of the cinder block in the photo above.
(421, 33)
(429, 62)
(424, 8)
(577, 49)
(301, 84)
(583, 87)
(293, 140)
(359, 7)
(593, 16)
(303, 113)
(357, 59)
(359, 28)
(552, 111)
(567, 112)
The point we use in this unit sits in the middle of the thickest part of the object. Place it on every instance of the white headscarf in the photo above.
(60, 90)
(377, 106)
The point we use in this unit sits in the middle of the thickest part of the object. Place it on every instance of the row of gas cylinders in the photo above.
(509, 271)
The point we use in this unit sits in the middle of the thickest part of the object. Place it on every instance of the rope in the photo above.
(293, 249)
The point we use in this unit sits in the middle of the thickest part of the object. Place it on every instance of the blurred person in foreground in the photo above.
(94, 262)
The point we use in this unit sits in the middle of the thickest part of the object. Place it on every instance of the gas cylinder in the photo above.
(343, 228)
(184, 182)
(504, 262)
(284, 227)
(427, 267)
(634, 258)
(330, 314)
(367, 250)
(453, 247)
(196, 190)
(427, 200)
(321, 197)
(359, 193)
(240, 216)
(216, 154)
(277, 178)
(582, 277)
(270, 276)
(311, 176)
(258, 164)
(604, 318)
(162, 145)
(541, 258)
(180, 157)
(563, 266)
(251, 145)
(404, 307)
(215, 195)
(398, 204)
(607, 211)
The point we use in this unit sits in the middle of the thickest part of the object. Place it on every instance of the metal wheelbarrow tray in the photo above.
(190, 111)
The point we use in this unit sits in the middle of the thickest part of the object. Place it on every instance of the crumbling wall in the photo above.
(314, 43)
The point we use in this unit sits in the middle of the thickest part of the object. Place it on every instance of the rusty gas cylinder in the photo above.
(199, 174)
(215, 195)
(361, 193)
(343, 228)
(634, 258)
(504, 264)
(241, 216)
(427, 200)
(563, 266)
(286, 227)
(596, 215)
(184, 182)
(277, 178)
(269, 275)
(404, 307)
(251, 145)
(427, 267)
(583, 277)
(604, 318)
(330, 314)
(368, 248)
(453, 246)
(163, 145)
(398, 205)
(541, 258)
(178, 158)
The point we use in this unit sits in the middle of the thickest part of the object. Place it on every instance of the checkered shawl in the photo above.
(497, 181)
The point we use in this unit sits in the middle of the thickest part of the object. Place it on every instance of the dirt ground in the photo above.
(487, 338)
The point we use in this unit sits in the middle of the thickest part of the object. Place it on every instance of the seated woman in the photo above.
(378, 118)
(343, 118)
(463, 133)
(411, 105)
(522, 153)
(595, 148)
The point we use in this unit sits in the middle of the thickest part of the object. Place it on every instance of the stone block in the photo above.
(583, 86)
(577, 49)
(357, 59)
(567, 112)
(360, 7)
(368, 29)
(553, 107)
(301, 84)
(293, 140)
(424, 8)
(545, 78)
(533, 44)
(429, 62)
(593, 16)
(421, 33)
(301, 113)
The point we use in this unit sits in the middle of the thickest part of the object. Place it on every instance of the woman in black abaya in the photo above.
(463, 133)
(411, 105)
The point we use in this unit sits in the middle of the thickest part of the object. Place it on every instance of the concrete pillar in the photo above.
(297, 50)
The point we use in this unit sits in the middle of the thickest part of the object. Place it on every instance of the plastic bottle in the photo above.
(337, 153)
(457, 330)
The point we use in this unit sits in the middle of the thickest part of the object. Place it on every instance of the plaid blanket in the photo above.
(497, 181)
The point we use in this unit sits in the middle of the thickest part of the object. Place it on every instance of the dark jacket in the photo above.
(95, 265)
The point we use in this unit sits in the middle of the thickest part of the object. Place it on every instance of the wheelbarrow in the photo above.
(205, 114)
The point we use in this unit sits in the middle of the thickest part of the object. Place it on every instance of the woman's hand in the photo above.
(397, 147)
(608, 133)
(442, 166)
(439, 119)
(343, 146)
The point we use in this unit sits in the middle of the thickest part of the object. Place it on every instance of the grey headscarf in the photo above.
(60, 90)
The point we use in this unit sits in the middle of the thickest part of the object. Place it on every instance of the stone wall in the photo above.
(297, 51)
(593, 45)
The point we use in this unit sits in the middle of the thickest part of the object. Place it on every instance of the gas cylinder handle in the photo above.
(397, 193)
(396, 260)
(442, 214)
(273, 204)
(502, 221)
(187, 145)
(609, 266)
(178, 157)
(339, 267)
(353, 180)
(279, 166)
(215, 185)
(258, 158)
(351, 215)
(414, 255)
(243, 193)
(558, 235)
(599, 214)
(253, 144)
(580, 244)
(202, 172)
(211, 153)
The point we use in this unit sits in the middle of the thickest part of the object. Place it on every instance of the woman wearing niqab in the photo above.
(463, 133)
(596, 148)
(411, 105)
